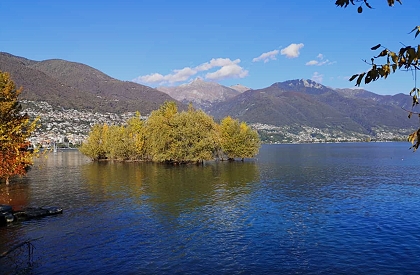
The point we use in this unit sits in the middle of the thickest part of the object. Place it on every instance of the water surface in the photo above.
(295, 209)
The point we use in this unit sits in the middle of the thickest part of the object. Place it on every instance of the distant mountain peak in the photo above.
(200, 92)
(305, 86)
(198, 79)
(240, 88)
(306, 83)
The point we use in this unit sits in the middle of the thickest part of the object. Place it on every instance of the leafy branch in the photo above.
(407, 58)
(345, 3)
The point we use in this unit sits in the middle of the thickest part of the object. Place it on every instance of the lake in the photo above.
(351, 208)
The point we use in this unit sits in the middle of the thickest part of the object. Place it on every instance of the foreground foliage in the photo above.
(15, 129)
(406, 58)
(172, 136)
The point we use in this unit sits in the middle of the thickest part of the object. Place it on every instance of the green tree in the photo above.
(94, 146)
(118, 143)
(172, 136)
(159, 132)
(389, 61)
(15, 129)
(194, 136)
(189, 136)
(238, 140)
(137, 136)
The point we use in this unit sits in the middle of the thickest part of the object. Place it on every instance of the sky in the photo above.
(252, 43)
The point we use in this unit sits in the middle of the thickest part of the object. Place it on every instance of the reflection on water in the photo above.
(175, 188)
(297, 209)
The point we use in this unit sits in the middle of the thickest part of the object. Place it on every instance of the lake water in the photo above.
(296, 209)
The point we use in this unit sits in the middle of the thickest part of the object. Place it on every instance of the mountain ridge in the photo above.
(305, 103)
(78, 86)
(292, 106)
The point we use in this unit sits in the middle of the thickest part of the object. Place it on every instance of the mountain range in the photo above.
(292, 104)
(78, 86)
(307, 103)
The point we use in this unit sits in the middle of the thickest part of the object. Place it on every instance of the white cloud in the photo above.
(320, 61)
(266, 56)
(312, 62)
(216, 62)
(180, 75)
(292, 51)
(317, 77)
(228, 69)
(150, 78)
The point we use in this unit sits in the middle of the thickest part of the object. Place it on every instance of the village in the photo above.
(70, 127)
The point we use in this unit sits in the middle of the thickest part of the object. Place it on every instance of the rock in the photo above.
(5, 208)
(54, 210)
(7, 215)
(30, 213)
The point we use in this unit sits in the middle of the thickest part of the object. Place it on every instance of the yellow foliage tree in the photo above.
(172, 136)
(94, 147)
(15, 129)
(160, 132)
(238, 140)
(136, 134)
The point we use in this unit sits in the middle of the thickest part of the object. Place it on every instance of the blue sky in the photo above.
(254, 43)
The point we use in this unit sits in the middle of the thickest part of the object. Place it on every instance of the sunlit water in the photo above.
(295, 209)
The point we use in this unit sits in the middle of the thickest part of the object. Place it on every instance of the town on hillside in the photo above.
(70, 127)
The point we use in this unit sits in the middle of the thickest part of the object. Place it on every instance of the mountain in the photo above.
(240, 88)
(78, 86)
(305, 103)
(201, 93)
(400, 100)
(299, 107)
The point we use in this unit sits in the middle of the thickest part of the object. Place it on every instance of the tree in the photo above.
(238, 140)
(15, 129)
(195, 136)
(406, 58)
(136, 134)
(189, 136)
(159, 132)
(116, 142)
(172, 136)
(94, 147)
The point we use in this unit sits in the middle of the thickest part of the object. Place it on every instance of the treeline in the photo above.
(172, 136)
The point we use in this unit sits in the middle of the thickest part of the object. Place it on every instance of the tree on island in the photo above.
(406, 58)
(180, 137)
(15, 129)
(172, 136)
(238, 140)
